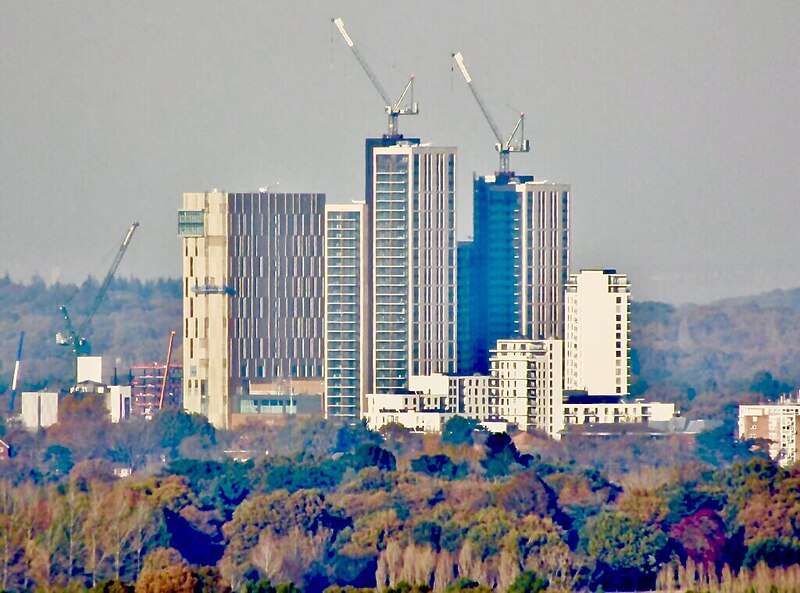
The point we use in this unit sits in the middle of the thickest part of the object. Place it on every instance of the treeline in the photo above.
(323, 505)
(131, 326)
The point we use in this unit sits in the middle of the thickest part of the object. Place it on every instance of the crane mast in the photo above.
(15, 380)
(393, 109)
(74, 337)
(516, 141)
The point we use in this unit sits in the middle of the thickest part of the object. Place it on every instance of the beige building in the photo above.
(597, 333)
(777, 423)
(252, 294)
(39, 409)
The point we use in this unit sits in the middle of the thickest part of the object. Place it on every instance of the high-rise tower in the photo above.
(413, 257)
(597, 345)
(348, 355)
(520, 260)
(252, 294)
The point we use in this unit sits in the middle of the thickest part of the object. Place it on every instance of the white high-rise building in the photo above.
(597, 333)
(347, 334)
(252, 296)
(413, 257)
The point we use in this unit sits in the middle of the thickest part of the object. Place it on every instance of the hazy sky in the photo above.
(677, 123)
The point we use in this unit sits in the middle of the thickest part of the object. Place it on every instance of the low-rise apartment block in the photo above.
(776, 423)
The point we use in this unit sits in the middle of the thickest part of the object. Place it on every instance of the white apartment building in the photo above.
(596, 409)
(777, 423)
(346, 324)
(39, 409)
(413, 263)
(597, 333)
(524, 388)
(252, 295)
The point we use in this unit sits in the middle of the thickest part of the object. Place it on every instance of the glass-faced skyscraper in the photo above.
(413, 263)
(520, 261)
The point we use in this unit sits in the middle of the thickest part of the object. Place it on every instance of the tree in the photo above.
(165, 571)
(502, 456)
(458, 431)
(528, 582)
(765, 384)
(628, 552)
(440, 466)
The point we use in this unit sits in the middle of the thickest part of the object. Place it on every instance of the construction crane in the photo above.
(75, 337)
(395, 109)
(166, 371)
(516, 142)
(15, 380)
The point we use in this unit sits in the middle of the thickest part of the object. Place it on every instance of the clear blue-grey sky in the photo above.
(676, 122)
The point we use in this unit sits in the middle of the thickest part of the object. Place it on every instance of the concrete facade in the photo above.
(252, 294)
(777, 423)
(413, 264)
(39, 409)
(597, 344)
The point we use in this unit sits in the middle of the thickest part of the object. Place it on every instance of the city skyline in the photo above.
(668, 120)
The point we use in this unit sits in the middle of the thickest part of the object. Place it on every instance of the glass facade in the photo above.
(520, 261)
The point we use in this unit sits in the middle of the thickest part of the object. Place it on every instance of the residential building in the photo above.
(252, 294)
(348, 354)
(524, 389)
(39, 409)
(597, 341)
(777, 423)
(529, 383)
(413, 263)
(580, 408)
(520, 260)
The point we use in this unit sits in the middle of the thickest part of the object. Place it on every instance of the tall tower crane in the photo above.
(15, 380)
(516, 141)
(395, 109)
(75, 337)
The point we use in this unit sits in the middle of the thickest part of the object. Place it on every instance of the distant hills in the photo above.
(721, 344)
(676, 349)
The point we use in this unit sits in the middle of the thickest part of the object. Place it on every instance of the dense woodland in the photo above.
(321, 505)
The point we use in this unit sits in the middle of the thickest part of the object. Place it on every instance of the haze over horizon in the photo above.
(676, 123)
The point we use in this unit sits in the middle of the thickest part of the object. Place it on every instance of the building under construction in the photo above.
(147, 383)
